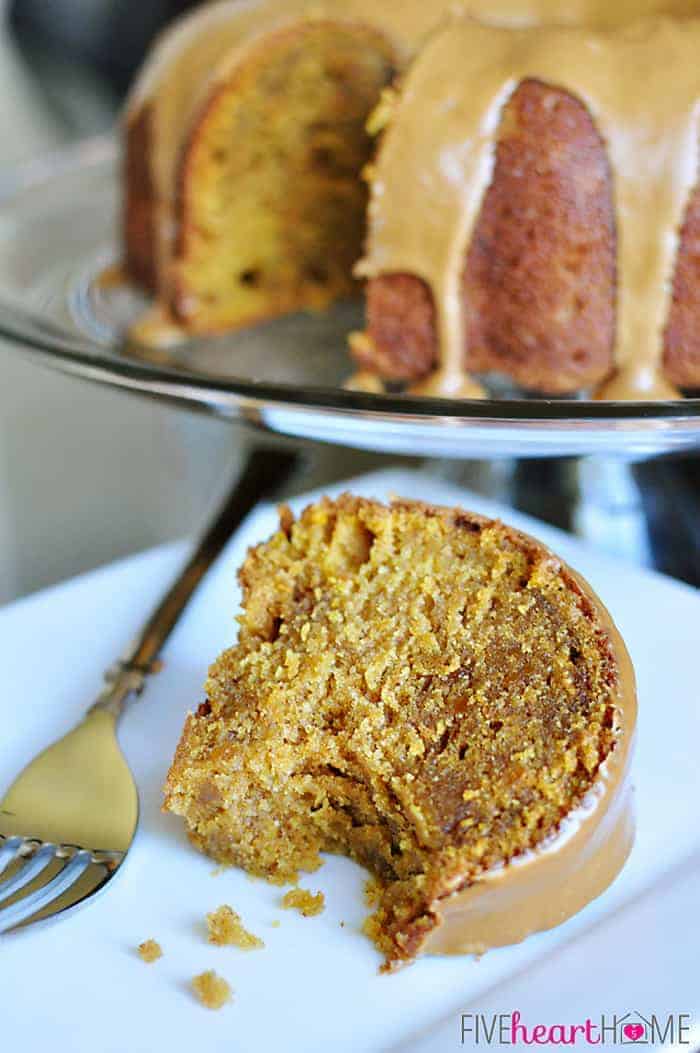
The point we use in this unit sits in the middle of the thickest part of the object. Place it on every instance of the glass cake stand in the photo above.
(58, 235)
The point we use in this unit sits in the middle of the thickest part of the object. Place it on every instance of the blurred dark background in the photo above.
(74, 43)
(83, 55)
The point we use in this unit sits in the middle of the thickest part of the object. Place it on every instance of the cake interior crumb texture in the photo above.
(150, 951)
(422, 689)
(277, 219)
(225, 928)
(307, 903)
(211, 989)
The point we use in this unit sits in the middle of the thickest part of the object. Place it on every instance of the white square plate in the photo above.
(77, 985)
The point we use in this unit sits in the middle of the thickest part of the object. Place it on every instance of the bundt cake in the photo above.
(533, 203)
(433, 694)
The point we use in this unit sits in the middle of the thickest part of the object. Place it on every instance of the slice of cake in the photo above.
(435, 695)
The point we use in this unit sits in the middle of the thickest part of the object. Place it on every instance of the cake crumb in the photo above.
(275, 924)
(305, 902)
(373, 892)
(211, 989)
(150, 951)
(227, 930)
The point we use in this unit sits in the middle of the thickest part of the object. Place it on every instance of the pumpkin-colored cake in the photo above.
(291, 115)
(433, 694)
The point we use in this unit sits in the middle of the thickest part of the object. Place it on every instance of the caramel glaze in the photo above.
(549, 884)
(598, 13)
(641, 84)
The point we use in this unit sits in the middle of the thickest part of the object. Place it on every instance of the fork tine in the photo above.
(39, 898)
(9, 851)
(31, 868)
(91, 881)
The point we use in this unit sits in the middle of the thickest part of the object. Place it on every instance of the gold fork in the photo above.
(68, 820)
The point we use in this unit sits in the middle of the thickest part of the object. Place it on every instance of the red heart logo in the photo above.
(633, 1031)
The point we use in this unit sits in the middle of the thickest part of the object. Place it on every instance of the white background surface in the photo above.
(78, 985)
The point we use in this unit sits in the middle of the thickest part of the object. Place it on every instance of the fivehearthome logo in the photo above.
(609, 1029)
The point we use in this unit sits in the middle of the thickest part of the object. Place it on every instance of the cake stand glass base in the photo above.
(599, 500)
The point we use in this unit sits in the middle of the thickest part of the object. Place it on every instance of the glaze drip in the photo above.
(439, 148)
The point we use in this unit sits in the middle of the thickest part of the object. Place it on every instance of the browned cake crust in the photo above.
(539, 281)
(401, 327)
(682, 345)
(138, 212)
(435, 695)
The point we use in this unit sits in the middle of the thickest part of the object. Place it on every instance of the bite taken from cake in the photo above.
(435, 695)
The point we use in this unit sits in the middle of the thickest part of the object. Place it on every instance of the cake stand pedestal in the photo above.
(601, 500)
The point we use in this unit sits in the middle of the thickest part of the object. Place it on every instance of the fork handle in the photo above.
(266, 469)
